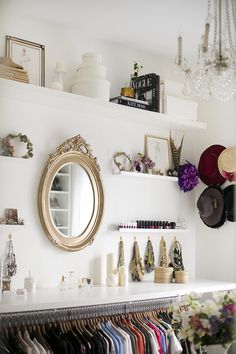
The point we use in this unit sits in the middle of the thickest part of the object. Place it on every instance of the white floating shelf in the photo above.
(42, 96)
(59, 192)
(62, 174)
(58, 209)
(151, 231)
(147, 175)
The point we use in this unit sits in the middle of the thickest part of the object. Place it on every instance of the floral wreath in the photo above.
(7, 149)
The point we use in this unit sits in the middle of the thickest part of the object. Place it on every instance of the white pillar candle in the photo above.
(206, 37)
(180, 40)
(111, 263)
(123, 276)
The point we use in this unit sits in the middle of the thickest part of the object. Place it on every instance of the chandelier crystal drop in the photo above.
(213, 73)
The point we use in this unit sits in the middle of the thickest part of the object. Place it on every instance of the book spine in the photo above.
(134, 104)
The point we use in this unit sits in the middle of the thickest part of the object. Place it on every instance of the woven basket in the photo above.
(163, 275)
(181, 276)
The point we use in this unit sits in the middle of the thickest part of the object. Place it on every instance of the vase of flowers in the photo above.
(143, 163)
(208, 323)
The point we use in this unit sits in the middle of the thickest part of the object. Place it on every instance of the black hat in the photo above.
(230, 201)
(211, 207)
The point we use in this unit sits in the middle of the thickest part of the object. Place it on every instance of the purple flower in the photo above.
(187, 177)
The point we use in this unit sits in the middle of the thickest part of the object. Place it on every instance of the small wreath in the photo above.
(7, 149)
(122, 167)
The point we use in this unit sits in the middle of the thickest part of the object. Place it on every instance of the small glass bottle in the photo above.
(62, 285)
(71, 280)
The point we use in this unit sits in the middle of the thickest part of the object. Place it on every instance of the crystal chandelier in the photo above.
(213, 73)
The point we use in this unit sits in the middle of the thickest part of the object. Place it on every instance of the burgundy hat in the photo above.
(208, 166)
(211, 207)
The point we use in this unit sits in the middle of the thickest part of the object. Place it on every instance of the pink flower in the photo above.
(231, 308)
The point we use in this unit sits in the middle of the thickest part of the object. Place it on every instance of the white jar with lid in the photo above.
(30, 284)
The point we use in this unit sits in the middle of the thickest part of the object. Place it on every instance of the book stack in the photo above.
(132, 102)
(146, 93)
(12, 71)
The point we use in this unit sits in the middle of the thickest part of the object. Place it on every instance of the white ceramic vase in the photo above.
(218, 349)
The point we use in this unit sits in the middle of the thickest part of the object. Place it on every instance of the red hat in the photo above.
(208, 166)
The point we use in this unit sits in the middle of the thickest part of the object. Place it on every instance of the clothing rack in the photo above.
(83, 312)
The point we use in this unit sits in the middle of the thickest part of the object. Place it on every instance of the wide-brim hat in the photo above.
(208, 166)
(230, 202)
(227, 163)
(211, 207)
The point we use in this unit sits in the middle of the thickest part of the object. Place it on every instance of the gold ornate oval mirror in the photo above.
(71, 197)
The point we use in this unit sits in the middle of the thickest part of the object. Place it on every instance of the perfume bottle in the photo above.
(71, 280)
(62, 285)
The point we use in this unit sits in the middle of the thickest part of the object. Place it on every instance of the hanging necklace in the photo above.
(11, 259)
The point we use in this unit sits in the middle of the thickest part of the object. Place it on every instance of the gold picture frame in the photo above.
(30, 55)
(158, 150)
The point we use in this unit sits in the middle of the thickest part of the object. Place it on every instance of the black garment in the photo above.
(101, 342)
(88, 337)
(4, 349)
(58, 345)
(6, 343)
(16, 345)
(104, 334)
(43, 342)
(84, 342)
(97, 346)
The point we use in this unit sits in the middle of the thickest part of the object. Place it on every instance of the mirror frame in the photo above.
(74, 150)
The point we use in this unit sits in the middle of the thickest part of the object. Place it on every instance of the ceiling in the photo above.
(150, 25)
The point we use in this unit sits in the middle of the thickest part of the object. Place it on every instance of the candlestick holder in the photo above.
(60, 69)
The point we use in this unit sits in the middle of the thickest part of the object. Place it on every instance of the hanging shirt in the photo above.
(39, 346)
(27, 339)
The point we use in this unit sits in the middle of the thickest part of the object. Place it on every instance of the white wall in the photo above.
(215, 251)
(126, 199)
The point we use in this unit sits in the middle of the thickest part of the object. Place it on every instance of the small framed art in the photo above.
(11, 216)
(30, 55)
(157, 149)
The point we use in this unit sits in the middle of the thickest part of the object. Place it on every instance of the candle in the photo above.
(206, 37)
(111, 264)
(179, 49)
(61, 67)
(123, 276)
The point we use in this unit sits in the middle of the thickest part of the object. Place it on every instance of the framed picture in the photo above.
(11, 216)
(157, 149)
(29, 55)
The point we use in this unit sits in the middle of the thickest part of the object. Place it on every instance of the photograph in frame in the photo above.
(11, 216)
(30, 55)
(157, 149)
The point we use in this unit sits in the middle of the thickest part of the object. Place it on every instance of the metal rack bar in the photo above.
(57, 314)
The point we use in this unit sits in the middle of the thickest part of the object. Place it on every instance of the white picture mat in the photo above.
(30, 59)
(158, 151)
(30, 55)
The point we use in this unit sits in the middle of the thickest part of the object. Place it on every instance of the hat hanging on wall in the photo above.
(230, 201)
(208, 166)
(227, 163)
(211, 207)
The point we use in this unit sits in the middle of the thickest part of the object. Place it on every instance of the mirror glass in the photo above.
(71, 200)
